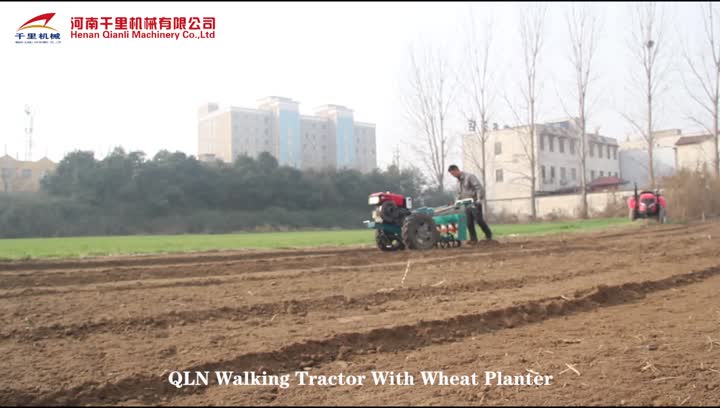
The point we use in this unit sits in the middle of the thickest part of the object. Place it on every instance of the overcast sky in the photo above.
(144, 94)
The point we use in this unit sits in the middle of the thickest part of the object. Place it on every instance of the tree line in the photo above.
(128, 193)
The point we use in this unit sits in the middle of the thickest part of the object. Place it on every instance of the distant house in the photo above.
(16, 175)
(694, 152)
(634, 158)
(606, 184)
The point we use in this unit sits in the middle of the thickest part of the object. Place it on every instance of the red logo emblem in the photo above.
(46, 17)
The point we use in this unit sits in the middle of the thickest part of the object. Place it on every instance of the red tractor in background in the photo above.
(647, 204)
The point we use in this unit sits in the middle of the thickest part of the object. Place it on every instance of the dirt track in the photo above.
(613, 318)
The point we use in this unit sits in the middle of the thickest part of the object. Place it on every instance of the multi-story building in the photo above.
(329, 139)
(16, 175)
(557, 145)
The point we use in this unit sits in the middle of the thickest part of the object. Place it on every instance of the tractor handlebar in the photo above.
(458, 205)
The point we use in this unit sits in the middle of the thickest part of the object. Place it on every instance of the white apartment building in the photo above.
(693, 152)
(329, 139)
(556, 146)
(634, 158)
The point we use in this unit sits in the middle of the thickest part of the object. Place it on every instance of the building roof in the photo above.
(276, 98)
(568, 127)
(688, 140)
(667, 133)
(11, 159)
(45, 159)
(332, 107)
(606, 182)
(593, 137)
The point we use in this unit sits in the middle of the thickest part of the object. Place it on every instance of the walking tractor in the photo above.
(397, 226)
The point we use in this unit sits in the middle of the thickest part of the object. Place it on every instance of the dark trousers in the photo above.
(474, 214)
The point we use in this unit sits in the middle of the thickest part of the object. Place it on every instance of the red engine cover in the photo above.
(399, 199)
(649, 199)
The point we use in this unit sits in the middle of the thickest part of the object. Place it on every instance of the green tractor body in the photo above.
(398, 227)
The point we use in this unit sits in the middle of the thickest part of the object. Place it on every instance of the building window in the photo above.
(614, 153)
(26, 173)
(602, 173)
(542, 142)
(498, 148)
(608, 151)
(552, 142)
(561, 142)
(563, 173)
(600, 150)
(592, 149)
(572, 147)
(592, 175)
(498, 176)
(552, 174)
(573, 174)
(542, 174)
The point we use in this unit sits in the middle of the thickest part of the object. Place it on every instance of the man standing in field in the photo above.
(469, 186)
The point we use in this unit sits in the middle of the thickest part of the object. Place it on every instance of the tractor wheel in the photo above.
(419, 232)
(386, 243)
(662, 216)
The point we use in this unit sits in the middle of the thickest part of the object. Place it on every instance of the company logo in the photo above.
(30, 33)
(46, 17)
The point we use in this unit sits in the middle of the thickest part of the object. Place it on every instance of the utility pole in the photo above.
(28, 132)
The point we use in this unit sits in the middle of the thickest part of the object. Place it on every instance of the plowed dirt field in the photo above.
(628, 316)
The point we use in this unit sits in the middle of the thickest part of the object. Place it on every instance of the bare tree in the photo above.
(706, 75)
(583, 29)
(427, 103)
(648, 46)
(532, 24)
(478, 83)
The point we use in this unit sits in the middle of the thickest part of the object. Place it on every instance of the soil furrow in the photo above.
(390, 339)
